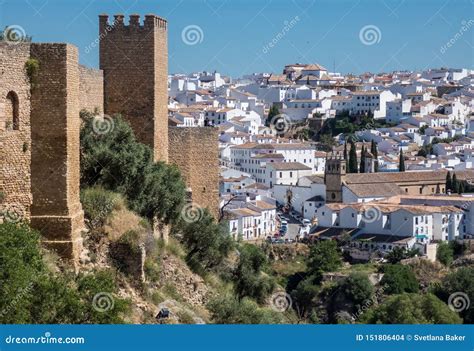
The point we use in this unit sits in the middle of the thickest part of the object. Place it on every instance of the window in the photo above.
(12, 118)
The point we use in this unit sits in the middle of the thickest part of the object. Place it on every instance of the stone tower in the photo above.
(134, 59)
(55, 124)
(334, 176)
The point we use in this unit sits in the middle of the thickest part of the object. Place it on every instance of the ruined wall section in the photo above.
(196, 152)
(134, 59)
(91, 87)
(15, 140)
(55, 125)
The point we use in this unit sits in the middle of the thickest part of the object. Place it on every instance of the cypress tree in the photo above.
(345, 150)
(455, 184)
(401, 164)
(352, 158)
(362, 160)
(449, 182)
(375, 153)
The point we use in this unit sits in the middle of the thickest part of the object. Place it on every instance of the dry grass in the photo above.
(123, 221)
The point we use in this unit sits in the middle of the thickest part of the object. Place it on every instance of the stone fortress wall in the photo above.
(40, 124)
(196, 152)
(91, 87)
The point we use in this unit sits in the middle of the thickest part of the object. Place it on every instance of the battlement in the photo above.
(151, 22)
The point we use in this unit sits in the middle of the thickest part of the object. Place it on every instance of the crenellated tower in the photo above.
(134, 58)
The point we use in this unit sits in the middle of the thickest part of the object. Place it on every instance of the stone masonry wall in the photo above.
(15, 145)
(56, 211)
(134, 59)
(91, 87)
(196, 152)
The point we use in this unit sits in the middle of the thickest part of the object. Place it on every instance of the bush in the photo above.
(227, 309)
(324, 256)
(458, 285)
(207, 243)
(32, 294)
(445, 253)
(357, 289)
(398, 279)
(411, 309)
(98, 205)
(248, 277)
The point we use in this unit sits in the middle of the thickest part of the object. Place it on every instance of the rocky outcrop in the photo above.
(189, 286)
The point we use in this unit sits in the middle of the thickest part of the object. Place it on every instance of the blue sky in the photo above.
(409, 34)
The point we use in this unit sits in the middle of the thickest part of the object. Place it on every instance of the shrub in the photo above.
(458, 285)
(227, 309)
(98, 205)
(398, 279)
(248, 277)
(445, 253)
(324, 256)
(357, 289)
(32, 294)
(411, 309)
(207, 243)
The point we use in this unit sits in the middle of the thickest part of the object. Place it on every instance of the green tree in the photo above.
(411, 309)
(362, 160)
(304, 297)
(207, 242)
(274, 111)
(327, 142)
(398, 279)
(401, 162)
(345, 150)
(457, 288)
(449, 182)
(445, 253)
(375, 153)
(357, 289)
(113, 159)
(249, 280)
(455, 184)
(324, 256)
(352, 166)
